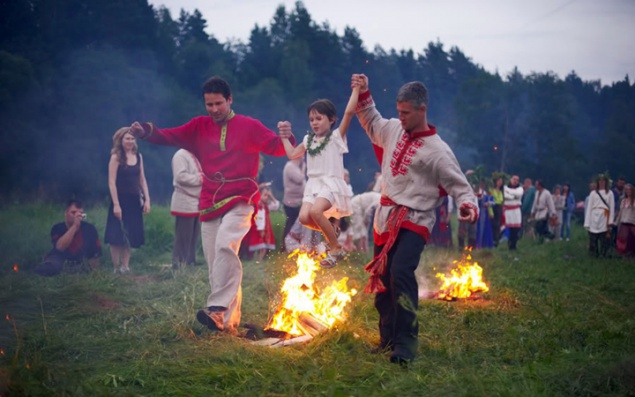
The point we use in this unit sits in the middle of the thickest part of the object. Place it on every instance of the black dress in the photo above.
(129, 231)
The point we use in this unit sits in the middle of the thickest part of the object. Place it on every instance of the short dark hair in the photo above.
(325, 107)
(414, 92)
(216, 85)
(77, 203)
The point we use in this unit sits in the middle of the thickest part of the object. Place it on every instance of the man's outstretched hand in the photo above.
(136, 130)
(468, 213)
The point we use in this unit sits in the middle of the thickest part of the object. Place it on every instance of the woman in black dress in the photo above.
(127, 183)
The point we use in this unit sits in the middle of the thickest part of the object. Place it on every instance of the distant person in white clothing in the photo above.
(294, 181)
(599, 216)
(187, 181)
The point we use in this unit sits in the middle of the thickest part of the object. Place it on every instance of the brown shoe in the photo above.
(210, 319)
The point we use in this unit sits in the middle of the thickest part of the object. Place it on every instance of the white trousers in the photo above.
(221, 239)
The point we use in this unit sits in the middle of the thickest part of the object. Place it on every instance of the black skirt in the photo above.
(128, 231)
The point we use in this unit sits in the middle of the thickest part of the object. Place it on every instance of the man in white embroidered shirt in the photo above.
(418, 169)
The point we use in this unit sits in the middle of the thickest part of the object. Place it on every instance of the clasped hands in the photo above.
(284, 129)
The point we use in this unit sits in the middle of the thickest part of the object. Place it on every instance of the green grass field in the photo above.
(554, 323)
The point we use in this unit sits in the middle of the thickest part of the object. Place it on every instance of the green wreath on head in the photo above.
(604, 175)
(498, 174)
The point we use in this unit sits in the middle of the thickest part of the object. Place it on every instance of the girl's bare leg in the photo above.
(317, 213)
(306, 219)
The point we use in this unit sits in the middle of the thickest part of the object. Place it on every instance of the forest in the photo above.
(74, 71)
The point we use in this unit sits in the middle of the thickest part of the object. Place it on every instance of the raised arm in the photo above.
(65, 240)
(349, 112)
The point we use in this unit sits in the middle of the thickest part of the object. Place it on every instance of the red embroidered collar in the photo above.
(420, 134)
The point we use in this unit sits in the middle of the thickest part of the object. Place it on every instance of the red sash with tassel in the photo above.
(377, 267)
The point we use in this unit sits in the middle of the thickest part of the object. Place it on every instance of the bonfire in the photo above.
(306, 310)
(464, 281)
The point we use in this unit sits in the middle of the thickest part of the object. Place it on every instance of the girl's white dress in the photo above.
(325, 173)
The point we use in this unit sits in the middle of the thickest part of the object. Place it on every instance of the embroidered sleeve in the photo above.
(365, 101)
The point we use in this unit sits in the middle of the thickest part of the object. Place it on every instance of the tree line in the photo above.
(72, 72)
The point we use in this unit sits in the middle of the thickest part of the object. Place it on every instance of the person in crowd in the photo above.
(528, 201)
(441, 235)
(363, 206)
(261, 238)
(466, 236)
(567, 212)
(418, 168)
(618, 189)
(327, 194)
(618, 194)
(513, 194)
(76, 246)
(599, 216)
(347, 179)
(345, 238)
(484, 238)
(228, 147)
(496, 192)
(375, 185)
(626, 223)
(129, 199)
(187, 179)
(559, 202)
(542, 211)
(293, 181)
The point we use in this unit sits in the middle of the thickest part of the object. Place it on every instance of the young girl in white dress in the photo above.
(326, 194)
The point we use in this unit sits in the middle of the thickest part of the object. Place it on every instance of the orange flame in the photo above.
(301, 295)
(15, 268)
(465, 280)
(1, 351)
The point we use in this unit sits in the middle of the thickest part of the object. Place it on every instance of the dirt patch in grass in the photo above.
(105, 303)
(143, 279)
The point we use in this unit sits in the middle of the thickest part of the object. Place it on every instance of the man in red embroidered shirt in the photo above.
(417, 170)
(228, 146)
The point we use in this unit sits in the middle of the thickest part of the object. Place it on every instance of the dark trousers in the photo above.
(292, 214)
(514, 232)
(496, 223)
(56, 262)
(599, 244)
(397, 306)
(187, 231)
(542, 229)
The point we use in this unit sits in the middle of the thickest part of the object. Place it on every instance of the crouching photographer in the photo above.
(76, 246)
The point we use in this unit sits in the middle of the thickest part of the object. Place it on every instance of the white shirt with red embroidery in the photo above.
(416, 170)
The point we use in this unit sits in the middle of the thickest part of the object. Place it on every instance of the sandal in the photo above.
(330, 260)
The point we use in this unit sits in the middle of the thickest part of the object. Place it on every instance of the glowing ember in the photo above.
(15, 267)
(301, 297)
(465, 280)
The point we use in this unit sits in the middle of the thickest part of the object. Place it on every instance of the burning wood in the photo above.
(311, 325)
(304, 309)
(463, 282)
(277, 342)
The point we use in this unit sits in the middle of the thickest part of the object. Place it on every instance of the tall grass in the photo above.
(555, 323)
